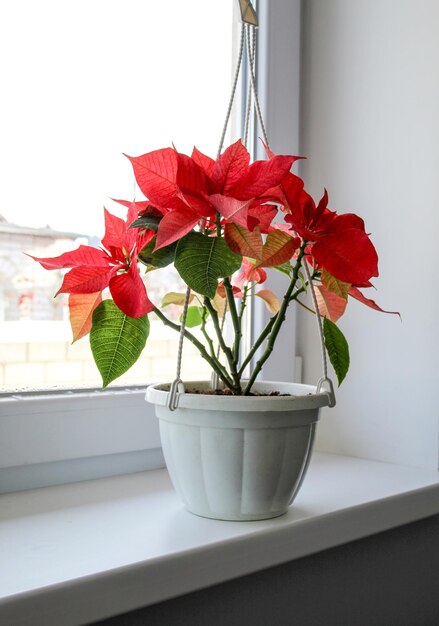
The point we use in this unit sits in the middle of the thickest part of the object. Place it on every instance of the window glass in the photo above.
(84, 82)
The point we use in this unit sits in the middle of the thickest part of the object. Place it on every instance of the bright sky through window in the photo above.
(84, 82)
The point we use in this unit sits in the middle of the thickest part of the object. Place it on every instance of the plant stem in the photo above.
(205, 333)
(243, 303)
(258, 343)
(213, 362)
(235, 386)
(210, 341)
(305, 307)
(216, 323)
(278, 319)
(264, 334)
(235, 320)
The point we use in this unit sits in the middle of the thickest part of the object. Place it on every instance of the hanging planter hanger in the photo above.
(250, 23)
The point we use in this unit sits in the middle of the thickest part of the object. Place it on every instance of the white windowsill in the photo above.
(78, 553)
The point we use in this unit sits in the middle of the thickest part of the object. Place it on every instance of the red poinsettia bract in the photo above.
(115, 266)
(338, 243)
(191, 190)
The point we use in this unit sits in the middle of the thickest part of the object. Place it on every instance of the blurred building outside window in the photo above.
(86, 82)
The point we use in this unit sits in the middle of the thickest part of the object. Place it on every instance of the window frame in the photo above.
(61, 437)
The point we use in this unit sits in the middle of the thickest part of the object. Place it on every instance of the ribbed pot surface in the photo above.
(244, 464)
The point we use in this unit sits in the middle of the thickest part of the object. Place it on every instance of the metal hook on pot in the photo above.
(176, 388)
(330, 391)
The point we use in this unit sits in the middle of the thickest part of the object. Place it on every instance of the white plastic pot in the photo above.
(238, 457)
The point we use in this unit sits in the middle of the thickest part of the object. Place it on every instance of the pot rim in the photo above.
(301, 397)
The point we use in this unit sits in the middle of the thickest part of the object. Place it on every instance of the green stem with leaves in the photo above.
(210, 341)
(247, 288)
(259, 341)
(213, 362)
(235, 320)
(206, 335)
(278, 320)
(264, 334)
(236, 385)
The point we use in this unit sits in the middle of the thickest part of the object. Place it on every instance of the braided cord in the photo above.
(177, 385)
(232, 95)
(253, 82)
(325, 380)
(248, 39)
(319, 320)
(249, 92)
(248, 33)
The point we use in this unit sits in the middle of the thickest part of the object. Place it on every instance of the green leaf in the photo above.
(302, 280)
(194, 316)
(201, 260)
(161, 258)
(285, 268)
(338, 287)
(174, 298)
(277, 249)
(150, 222)
(244, 242)
(338, 349)
(116, 340)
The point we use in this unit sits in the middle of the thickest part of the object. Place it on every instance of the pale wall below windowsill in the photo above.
(78, 553)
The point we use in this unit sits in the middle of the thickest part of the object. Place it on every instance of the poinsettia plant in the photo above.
(222, 223)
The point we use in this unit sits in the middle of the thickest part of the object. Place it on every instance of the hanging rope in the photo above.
(232, 95)
(215, 379)
(178, 386)
(249, 92)
(253, 83)
(248, 38)
(245, 35)
(325, 379)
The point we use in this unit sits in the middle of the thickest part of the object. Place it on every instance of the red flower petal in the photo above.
(206, 163)
(356, 293)
(345, 221)
(330, 304)
(261, 176)
(84, 255)
(130, 236)
(263, 215)
(320, 209)
(143, 239)
(81, 307)
(221, 291)
(115, 229)
(250, 272)
(175, 225)
(156, 175)
(233, 210)
(129, 293)
(199, 203)
(190, 176)
(349, 256)
(86, 279)
(289, 193)
(142, 206)
(230, 167)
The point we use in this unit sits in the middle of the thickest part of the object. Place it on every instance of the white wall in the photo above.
(370, 129)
